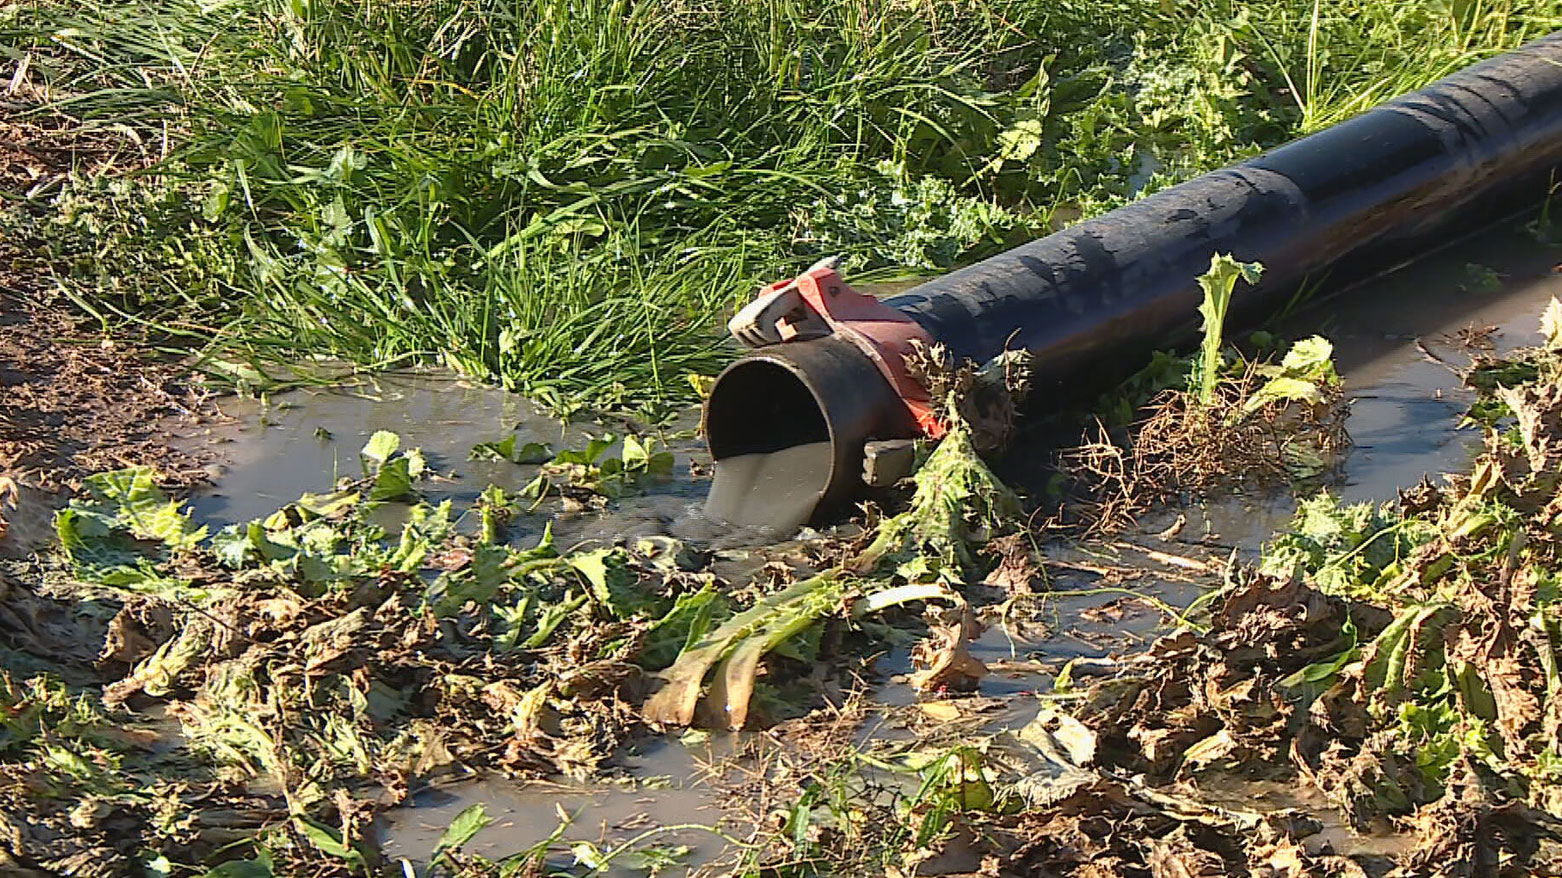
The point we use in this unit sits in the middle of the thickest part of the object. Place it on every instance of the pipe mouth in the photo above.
(786, 426)
(772, 445)
(760, 406)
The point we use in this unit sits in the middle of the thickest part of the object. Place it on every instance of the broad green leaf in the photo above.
(379, 449)
(684, 625)
(503, 449)
(478, 582)
(1310, 357)
(237, 545)
(260, 867)
(329, 842)
(596, 446)
(1020, 142)
(614, 582)
(392, 481)
(788, 610)
(132, 497)
(509, 449)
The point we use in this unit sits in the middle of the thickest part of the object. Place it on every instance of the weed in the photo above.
(1218, 284)
(1231, 421)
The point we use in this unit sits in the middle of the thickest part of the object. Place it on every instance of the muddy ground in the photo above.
(887, 758)
(72, 400)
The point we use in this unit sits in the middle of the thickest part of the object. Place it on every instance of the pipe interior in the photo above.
(759, 407)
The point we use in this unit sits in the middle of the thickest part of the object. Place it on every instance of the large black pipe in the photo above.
(1355, 198)
(1092, 301)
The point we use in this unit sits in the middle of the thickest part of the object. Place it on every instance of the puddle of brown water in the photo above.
(303, 440)
(1405, 411)
(663, 793)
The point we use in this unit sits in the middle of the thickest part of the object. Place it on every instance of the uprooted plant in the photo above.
(1230, 420)
(1400, 660)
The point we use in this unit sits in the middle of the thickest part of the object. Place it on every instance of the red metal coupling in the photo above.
(818, 303)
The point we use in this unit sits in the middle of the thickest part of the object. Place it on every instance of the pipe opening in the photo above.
(771, 443)
(759, 407)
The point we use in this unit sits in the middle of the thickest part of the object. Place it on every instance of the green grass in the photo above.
(569, 196)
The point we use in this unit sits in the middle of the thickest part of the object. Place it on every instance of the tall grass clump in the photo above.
(567, 195)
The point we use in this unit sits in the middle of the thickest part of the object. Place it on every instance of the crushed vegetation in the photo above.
(394, 182)
(247, 701)
(325, 662)
(339, 661)
(334, 659)
(1396, 665)
(1218, 422)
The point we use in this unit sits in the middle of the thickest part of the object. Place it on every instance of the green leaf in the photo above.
(478, 582)
(596, 446)
(503, 449)
(379, 449)
(100, 552)
(1218, 284)
(260, 867)
(589, 855)
(392, 481)
(1311, 358)
(237, 545)
(507, 449)
(685, 624)
(329, 842)
(216, 203)
(132, 498)
(1285, 389)
(752, 633)
(614, 582)
(1022, 140)
(467, 824)
(550, 619)
(643, 458)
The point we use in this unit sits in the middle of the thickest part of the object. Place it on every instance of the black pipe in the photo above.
(801, 393)
(1090, 302)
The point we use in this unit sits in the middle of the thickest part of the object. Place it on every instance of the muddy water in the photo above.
(776, 490)
(276, 449)
(1395, 339)
(662, 793)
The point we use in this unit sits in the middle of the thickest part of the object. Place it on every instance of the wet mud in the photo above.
(1398, 341)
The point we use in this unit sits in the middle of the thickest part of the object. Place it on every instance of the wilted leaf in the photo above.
(467, 824)
(1551, 324)
(770, 620)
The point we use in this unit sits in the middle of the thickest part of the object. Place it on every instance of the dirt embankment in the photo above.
(72, 402)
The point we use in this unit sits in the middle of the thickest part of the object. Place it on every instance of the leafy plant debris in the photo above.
(1230, 421)
(318, 666)
(1402, 660)
(338, 662)
(564, 198)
